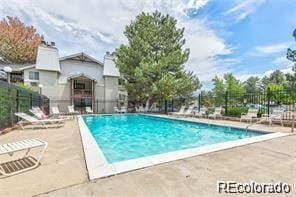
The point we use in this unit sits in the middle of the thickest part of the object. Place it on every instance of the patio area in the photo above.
(63, 172)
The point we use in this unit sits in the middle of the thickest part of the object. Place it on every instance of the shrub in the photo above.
(236, 111)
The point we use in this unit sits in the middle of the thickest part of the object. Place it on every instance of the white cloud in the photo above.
(268, 50)
(97, 26)
(245, 75)
(244, 8)
(282, 60)
(272, 48)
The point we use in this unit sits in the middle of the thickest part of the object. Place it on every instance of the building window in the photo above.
(34, 75)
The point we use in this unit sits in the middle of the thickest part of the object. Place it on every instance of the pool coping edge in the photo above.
(98, 167)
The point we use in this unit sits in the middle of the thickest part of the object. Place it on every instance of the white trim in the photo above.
(75, 75)
(98, 167)
(80, 54)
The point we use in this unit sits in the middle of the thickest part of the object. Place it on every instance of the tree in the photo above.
(233, 85)
(291, 80)
(252, 84)
(18, 43)
(277, 77)
(218, 91)
(152, 63)
(291, 77)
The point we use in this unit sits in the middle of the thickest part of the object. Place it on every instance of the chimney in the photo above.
(43, 42)
(52, 44)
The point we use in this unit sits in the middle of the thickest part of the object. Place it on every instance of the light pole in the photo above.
(40, 88)
(8, 70)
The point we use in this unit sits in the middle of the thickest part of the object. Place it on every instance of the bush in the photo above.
(236, 111)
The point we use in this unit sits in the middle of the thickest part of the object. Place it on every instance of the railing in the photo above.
(265, 101)
(15, 99)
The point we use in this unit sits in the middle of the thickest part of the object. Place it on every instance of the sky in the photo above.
(246, 37)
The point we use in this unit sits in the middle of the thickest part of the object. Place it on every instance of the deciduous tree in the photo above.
(18, 42)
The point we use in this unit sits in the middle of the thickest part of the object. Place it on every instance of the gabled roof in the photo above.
(75, 75)
(16, 67)
(81, 57)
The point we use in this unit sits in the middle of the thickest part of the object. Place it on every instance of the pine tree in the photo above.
(152, 63)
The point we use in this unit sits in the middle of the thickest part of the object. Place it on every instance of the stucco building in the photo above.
(77, 79)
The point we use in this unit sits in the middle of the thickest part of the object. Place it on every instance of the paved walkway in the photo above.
(264, 162)
(62, 171)
(62, 165)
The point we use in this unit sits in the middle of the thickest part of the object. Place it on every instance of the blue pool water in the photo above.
(123, 137)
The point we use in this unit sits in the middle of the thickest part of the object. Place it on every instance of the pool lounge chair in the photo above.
(180, 112)
(189, 111)
(202, 112)
(250, 115)
(21, 165)
(277, 114)
(56, 112)
(116, 110)
(71, 110)
(88, 110)
(123, 110)
(34, 121)
(38, 113)
(154, 108)
(216, 114)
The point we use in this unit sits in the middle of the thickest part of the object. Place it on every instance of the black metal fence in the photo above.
(107, 106)
(265, 101)
(15, 99)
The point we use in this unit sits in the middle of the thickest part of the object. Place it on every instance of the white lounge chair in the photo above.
(56, 112)
(141, 109)
(277, 114)
(38, 113)
(189, 111)
(117, 110)
(34, 121)
(180, 112)
(123, 110)
(202, 112)
(250, 115)
(88, 110)
(18, 166)
(216, 114)
(71, 110)
(154, 108)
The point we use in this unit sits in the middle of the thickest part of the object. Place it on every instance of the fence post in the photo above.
(40, 102)
(172, 105)
(268, 100)
(17, 101)
(165, 106)
(10, 104)
(31, 101)
(226, 102)
(199, 101)
(97, 101)
(293, 123)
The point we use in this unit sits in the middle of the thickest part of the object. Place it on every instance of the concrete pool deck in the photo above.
(63, 172)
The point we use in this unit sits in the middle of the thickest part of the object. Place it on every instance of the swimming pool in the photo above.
(125, 137)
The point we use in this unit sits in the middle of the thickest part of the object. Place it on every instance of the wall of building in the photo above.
(70, 67)
(57, 87)
(111, 93)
